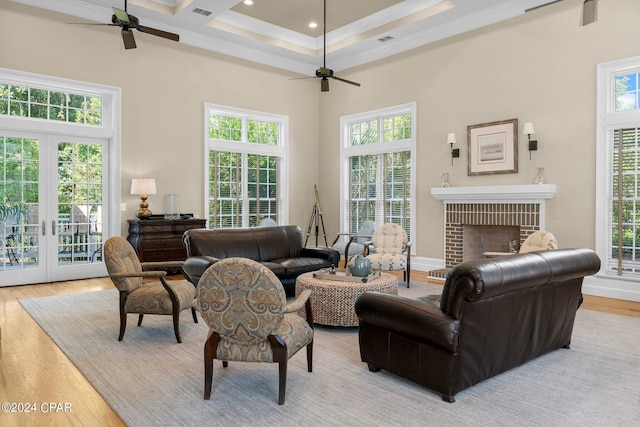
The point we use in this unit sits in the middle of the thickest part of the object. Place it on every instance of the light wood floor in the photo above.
(33, 370)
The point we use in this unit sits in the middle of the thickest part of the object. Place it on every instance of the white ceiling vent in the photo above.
(201, 11)
(385, 39)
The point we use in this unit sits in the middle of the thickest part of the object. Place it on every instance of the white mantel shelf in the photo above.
(495, 193)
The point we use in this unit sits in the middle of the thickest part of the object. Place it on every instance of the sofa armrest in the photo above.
(412, 318)
(195, 266)
(329, 254)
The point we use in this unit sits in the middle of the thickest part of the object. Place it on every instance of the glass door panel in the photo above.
(79, 203)
(80, 190)
(20, 226)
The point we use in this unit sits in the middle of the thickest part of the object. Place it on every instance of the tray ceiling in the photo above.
(276, 33)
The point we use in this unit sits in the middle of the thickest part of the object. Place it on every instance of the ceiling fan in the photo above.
(126, 22)
(589, 10)
(323, 72)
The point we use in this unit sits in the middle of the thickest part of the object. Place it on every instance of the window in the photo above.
(246, 164)
(618, 169)
(41, 103)
(378, 174)
(626, 91)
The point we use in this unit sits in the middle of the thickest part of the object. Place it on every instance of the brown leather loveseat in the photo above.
(493, 315)
(280, 248)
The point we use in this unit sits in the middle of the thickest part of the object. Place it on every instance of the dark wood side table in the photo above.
(161, 239)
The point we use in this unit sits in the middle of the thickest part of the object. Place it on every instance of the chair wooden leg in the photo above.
(140, 316)
(123, 315)
(310, 357)
(279, 349)
(176, 323)
(175, 307)
(210, 351)
(282, 369)
(193, 313)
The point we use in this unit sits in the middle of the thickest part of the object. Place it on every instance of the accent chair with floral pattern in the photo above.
(539, 241)
(167, 297)
(390, 250)
(245, 306)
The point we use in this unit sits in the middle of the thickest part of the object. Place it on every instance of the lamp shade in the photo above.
(528, 129)
(451, 138)
(143, 186)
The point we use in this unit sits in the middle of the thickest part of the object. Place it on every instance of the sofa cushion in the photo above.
(278, 269)
(278, 242)
(297, 266)
(221, 243)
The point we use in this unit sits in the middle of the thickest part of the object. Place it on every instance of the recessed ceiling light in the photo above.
(248, 2)
(312, 25)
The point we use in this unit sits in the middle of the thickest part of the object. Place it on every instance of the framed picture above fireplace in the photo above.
(493, 148)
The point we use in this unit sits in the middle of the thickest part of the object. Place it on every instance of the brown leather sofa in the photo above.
(493, 315)
(280, 248)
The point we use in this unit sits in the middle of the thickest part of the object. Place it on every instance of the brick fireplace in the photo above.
(486, 219)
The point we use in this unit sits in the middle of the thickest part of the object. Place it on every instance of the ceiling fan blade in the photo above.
(302, 78)
(159, 33)
(324, 85)
(589, 12)
(91, 23)
(128, 39)
(541, 6)
(345, 80)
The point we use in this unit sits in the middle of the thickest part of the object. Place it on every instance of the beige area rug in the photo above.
(150, 380)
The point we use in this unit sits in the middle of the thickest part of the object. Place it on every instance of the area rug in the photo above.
(150, 380)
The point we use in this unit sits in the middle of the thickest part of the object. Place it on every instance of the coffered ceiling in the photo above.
(277, 32)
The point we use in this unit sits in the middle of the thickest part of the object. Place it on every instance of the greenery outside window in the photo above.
(47, 104)
(378, 174)
(246, 165)
(618, 169)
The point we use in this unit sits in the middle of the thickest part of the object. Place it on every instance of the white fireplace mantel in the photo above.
(532, 193)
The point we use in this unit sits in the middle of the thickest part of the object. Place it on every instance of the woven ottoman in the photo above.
(333, 301)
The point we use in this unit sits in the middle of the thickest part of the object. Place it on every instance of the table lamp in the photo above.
(143, 187)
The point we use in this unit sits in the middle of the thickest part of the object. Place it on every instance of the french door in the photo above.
(54, 212)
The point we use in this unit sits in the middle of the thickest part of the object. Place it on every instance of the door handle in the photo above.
(53, 227)
(44, 227)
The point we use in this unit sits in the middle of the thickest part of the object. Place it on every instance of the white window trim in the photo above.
(347, 151)
(281, 150)
(607, 119)
(110, 129)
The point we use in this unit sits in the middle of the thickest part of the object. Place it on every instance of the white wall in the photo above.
(164, 88)
(538, 67)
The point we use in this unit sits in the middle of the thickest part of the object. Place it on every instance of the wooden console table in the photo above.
(161, 239)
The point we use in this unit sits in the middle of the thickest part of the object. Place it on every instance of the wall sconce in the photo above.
(143, 186)
(455, 152)
(528, 130)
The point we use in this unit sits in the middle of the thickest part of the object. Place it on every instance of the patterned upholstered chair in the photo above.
(390, 250)
(539, 241)
(249, 319)
(353, 243)
(168, 297)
